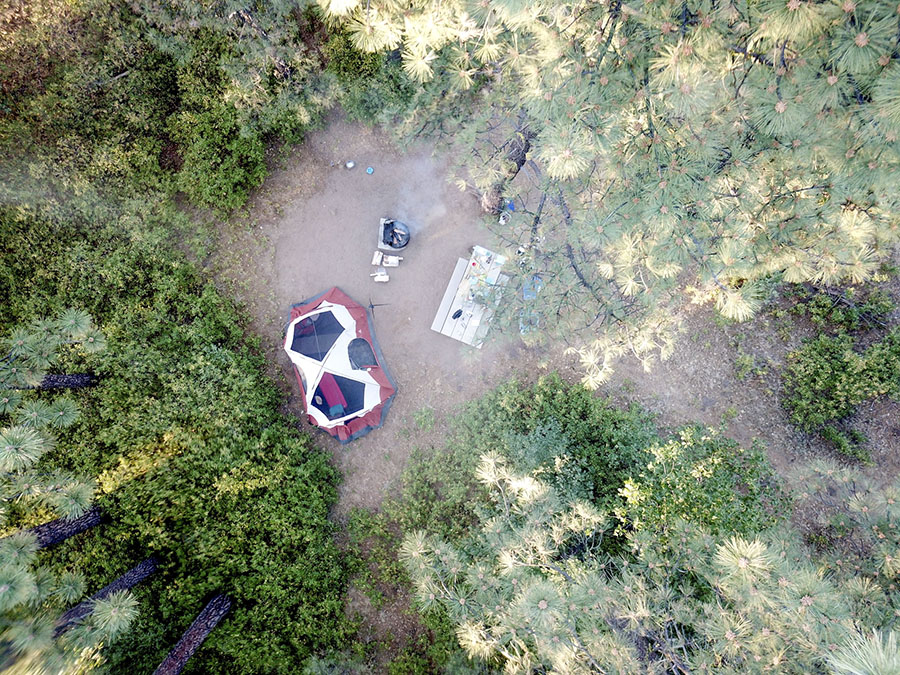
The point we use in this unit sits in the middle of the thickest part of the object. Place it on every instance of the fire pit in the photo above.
(392, 235)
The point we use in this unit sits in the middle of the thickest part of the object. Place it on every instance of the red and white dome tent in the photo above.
(331, 342)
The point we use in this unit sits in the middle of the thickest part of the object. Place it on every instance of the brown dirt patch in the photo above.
(313, 226)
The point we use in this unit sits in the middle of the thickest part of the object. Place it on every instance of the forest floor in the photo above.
(312, 225)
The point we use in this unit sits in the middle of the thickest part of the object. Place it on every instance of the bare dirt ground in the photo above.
(312, 225)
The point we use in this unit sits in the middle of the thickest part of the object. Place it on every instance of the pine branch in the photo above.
(580, 646)
(195, 635)
(127, 581)
(63, 381)
(103, 83)
(532, 243)
(284, 71)
(759, 58)
(614, 13)
(570, 255)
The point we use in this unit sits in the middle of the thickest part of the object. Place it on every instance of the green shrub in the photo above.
(845, 309)
(379, 97)
(424, 419)
(437, 650)
(825, 380)
(194, 461)
(706, 479)
(348, 63)
(565, 434)
(221, 165)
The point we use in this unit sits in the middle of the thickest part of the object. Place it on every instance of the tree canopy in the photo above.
(668, 147)
(535, 588)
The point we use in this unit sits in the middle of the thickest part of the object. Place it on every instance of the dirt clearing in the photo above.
(313, 225)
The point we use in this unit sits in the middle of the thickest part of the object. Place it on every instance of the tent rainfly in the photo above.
(331, 342)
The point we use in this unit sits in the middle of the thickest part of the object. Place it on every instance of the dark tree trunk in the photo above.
(190, 642)
(516, 155)
(56, 531)
(130, 579)
(68, 381)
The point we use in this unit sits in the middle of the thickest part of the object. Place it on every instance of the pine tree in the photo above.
(31, 598)
(126, 582)
(31, 595)
(29, 353)
(270, 57)
(674, 149)
(57, 531)
(208, 618)
(538, 589)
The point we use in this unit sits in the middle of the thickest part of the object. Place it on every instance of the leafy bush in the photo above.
(221, 165)
(141, 90)
(705, 479)
(565, 434)
(846, 309)
(348, 63)
(379, 97)
(194, 461)
(826, 379)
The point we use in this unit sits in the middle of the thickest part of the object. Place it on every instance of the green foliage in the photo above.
(848, 442)
(703, 478)
(372, 559)
(378, 97)
(152, 99)
(220, 166)
(846, 309)
(744, 364)
(348, 63)
(337, 663)
(825, 380)
(194, 461)
(522, 600)
(561, 433)
(376, 571)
